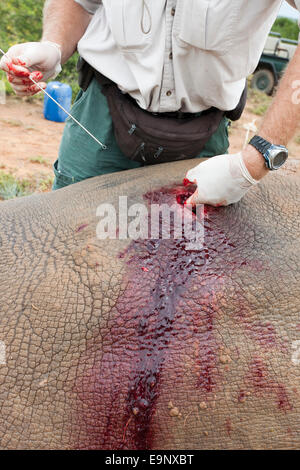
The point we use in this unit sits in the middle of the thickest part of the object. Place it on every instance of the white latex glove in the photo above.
(220, 180)
(41, 60)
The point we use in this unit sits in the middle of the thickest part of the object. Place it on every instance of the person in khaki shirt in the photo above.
(175, 58)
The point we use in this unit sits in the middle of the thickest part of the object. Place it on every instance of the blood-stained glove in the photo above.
(220, 180)
(42, 58)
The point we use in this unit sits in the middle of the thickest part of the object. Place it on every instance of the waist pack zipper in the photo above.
(132, 129)
(159, 151)
(140, 150)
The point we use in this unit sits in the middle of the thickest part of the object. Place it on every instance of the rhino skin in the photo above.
(123, 344)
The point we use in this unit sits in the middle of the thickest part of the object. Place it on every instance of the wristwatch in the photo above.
(274, 155)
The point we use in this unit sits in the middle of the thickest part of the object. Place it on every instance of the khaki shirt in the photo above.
(175, 55)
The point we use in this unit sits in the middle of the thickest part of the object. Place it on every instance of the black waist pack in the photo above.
(151, 138)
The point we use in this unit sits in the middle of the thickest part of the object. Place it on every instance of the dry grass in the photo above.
(258, 102)
(11, 187)
(40, 160)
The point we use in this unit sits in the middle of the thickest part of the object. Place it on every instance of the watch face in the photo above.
(278, 158)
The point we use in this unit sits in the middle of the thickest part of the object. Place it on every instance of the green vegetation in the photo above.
(287, 27)
(260, 110)
(11, 187)
(21, 21)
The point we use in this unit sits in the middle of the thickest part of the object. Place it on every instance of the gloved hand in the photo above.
(42, 57)
(220, 180)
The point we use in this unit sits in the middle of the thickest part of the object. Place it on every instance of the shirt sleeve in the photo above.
(89, 5)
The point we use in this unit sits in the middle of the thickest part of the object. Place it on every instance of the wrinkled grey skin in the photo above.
(66, 315)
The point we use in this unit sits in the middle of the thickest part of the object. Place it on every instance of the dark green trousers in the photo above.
(80, 157)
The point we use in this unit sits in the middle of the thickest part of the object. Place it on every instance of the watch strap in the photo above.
(260, 144)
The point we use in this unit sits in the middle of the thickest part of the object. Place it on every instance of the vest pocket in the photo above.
(131, 22)
(207, 24)
(192, 23)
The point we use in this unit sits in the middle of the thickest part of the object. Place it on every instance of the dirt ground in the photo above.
(29, 143)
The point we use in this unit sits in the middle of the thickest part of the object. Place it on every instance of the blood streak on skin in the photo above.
(154, 316)
(228, 426)
(242, 396)
(265, 335)
(263, 384)
(186, 182)
(81, 227)
(181, 198)
(156, 325)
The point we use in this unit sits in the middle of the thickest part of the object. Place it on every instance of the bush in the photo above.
(21, 21)
(287, 28)
(10, 187)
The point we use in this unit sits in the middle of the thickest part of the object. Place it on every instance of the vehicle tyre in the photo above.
(263, 80)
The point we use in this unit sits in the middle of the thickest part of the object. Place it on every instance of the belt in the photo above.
(177, 115)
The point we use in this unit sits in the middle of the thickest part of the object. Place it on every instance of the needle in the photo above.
(104, 147)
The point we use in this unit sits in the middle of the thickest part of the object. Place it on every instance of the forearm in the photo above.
(65, 22)
(282, 118)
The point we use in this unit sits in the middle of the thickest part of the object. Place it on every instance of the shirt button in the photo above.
(171, 55)
(173, 11)
(169, 93)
